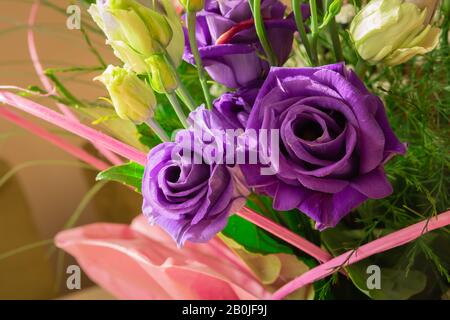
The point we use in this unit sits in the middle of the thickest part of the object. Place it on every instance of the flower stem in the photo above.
(191, 24)
(361, 68)
(162, 135)
(314, 28)
(333, 28)
(181, 91)
(178, 110)
(255, 6)
(186, 97)
(296, 6)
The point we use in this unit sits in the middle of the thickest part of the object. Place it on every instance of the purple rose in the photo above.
(228, 44)
(234, 107)
(190, 200)
(334, 141)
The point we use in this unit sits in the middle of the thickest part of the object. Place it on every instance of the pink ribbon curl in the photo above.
(111, 157)
(393, 240)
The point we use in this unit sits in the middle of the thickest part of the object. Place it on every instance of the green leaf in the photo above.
(396, 282)
(146, 136)
(257, 240)
(253, 238)
(129, 174)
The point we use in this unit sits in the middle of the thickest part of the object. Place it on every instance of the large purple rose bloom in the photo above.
(228, 44)
(334, 141)
(191, 201)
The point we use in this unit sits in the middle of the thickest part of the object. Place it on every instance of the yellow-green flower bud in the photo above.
(175, 48)
(132, 98)
(193, 5)
(133, 60)
(164, 77)
(392, 31)
(131, 14)
(136, 31)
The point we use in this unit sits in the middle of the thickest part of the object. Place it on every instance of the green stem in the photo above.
(87, 198)
(26, 247)
(176, 106)
(156, 128)
(314, 28)
(261, 31)
(191, 24)
(333, 28)
(181, 91)
(63, 90)
(186, 97)
(296, 5)
(444, 39)
(92, 48)
(361, 68)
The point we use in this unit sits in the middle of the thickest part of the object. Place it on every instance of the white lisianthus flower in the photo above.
(136, 31)
(393, 31)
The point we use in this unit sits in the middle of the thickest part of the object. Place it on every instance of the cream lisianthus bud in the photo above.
(133, 99)
(392, 31)
(135, 31)
(164, 77)
(430, 5)
(175, 49)
(133, 13)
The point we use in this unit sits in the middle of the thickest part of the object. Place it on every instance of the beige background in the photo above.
(47, 195)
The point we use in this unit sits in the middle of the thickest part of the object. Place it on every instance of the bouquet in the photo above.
(283, 149)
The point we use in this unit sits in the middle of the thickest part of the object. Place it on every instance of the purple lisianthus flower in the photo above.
(234, 107)
(190, 200)
(334, 141)
(228, 44)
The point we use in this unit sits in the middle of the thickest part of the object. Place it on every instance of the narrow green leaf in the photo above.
(129, 174)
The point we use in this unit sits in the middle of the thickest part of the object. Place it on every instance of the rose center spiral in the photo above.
(307, 130)
(173, 174)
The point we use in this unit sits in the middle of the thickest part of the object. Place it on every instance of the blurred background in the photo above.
(41, 187)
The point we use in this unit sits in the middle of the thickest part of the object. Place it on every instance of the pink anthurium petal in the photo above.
(139, 262)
